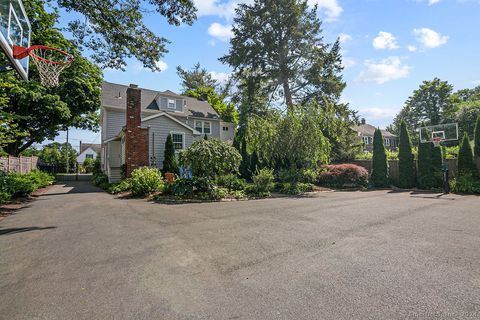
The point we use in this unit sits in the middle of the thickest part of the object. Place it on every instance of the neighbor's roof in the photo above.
(115, 95)
(94, 146)
(367, 130)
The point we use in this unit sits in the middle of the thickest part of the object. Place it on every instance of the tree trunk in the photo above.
(288, 94)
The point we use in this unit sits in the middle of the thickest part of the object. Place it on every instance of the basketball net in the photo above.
(437, 141)
(50, 62)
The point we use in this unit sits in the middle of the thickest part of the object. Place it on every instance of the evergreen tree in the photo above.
(282, 42)
(205, 137)
(169, 160)
(466, 166)
(429, 171)
(406, 161)
(476, 149)
(380, 164)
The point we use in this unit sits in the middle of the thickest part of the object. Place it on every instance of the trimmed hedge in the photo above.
(379, 163)
(344, 175)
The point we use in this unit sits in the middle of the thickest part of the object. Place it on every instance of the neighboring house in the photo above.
(366, 131)
(88, 151)
(136, 122)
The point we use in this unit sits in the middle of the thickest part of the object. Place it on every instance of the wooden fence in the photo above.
(394, 171)
(20, 164)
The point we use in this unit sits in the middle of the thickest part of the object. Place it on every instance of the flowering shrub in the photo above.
(145, 181)
(344, 175)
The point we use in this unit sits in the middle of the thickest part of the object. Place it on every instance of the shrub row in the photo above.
(14, 185)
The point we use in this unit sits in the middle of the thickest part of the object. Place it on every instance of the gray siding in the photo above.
(215, 126)
(160, 128)
(114, 123)
(162, 102)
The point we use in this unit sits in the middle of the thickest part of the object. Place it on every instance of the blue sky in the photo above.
(389, 48)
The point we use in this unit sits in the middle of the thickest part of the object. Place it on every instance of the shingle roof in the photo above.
(95, 147)
(115, 95)
(367, 130)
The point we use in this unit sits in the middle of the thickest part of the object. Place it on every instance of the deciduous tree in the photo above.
(114, 30)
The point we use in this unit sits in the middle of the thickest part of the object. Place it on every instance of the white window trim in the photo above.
(203, 126)
(183, 139)
(174, 103)
(387, 142)
(366, 140)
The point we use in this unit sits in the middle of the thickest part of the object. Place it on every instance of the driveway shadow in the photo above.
(21, 230)
(71, 187)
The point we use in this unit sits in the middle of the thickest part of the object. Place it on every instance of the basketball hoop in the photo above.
(49, 61)
(437, 141)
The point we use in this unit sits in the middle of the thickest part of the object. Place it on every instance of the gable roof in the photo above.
(367, 130)
(95, 147)
(115, 95)
(165, 114)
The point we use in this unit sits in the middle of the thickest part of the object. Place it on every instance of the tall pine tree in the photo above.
(406, 161)
(380, 164)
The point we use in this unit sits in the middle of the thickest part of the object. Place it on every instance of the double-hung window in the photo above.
(89, 156)
(387, 142)
(171, 104)
(178, 139)
(366, 140)
(203, 126)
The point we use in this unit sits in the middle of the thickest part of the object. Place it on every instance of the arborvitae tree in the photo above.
(429, 170)
(380, 164)
(169, 161)
(406, 161)
(466, 166)
(254, 163)
(423, 166)
(205, 137)
(476, 149)
(436, 165)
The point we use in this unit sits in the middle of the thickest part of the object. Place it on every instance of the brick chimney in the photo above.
(136, 138)
(363, 121)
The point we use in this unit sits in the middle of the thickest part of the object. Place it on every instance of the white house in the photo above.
(88, 151)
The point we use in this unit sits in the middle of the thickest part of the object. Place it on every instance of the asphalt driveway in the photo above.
(77, 253)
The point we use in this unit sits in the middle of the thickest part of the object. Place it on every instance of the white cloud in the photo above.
(348, 62)
(332, 8)
(344, 37)
(385, 40)
(432, 2)
(222, 32)
(412, 48)
(162, 65)
(429, 38)
(476, 82)
(384, 71)
(220, 76)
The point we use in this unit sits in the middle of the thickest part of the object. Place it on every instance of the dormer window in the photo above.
(171, 104)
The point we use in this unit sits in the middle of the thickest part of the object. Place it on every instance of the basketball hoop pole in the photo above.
(446, 178)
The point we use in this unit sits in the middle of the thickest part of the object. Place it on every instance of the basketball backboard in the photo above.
(440, 132)
(14, 30)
